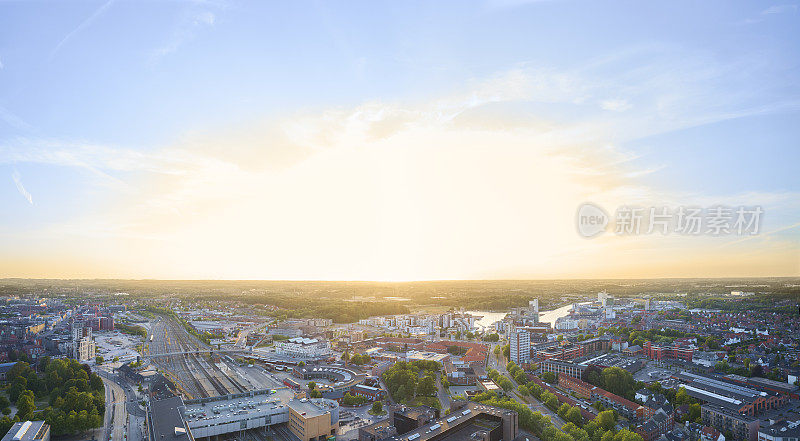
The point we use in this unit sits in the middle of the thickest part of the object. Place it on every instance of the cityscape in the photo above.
(712, 360)
(399, 220)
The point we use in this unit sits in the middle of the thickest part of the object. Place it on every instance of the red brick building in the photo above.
(580, 387)
(674, 350)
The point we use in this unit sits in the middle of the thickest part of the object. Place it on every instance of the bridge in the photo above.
(195, 351)
(241, 340)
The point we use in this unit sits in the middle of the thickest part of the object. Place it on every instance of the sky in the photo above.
(378, 140)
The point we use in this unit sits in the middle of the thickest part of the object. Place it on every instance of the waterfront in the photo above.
(488, 318)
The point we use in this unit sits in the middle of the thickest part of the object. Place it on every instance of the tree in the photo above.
(606, 419)
(25, 406)
(377, 408)
(549, 377)
(426, 386)
(619, 381)
(574, 416)
(506, 384)
(491, 337)
(99, 360)
(312, 385)
(315, 393)
(681, 397)
(694, 413)
(550, 400)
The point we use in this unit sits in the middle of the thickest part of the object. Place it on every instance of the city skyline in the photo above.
(397, 142)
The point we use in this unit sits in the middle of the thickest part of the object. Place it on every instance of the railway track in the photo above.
(195, 375)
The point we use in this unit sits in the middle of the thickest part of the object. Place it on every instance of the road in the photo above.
(122, 409)
(536, 405)
(116, 418)
(442, 394)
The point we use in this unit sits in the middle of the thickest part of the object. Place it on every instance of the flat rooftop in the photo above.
(230, 405)
(474, 414)
(311, 407)
(25, 431)
(168, 423)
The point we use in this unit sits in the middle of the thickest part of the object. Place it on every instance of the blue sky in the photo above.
(110, 104)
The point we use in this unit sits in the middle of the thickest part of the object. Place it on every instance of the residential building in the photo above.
(739, 427)
(674, 350)
(780, 431)
(562, 367)
(520, 345)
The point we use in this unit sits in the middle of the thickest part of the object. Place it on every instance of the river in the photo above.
(488, 317)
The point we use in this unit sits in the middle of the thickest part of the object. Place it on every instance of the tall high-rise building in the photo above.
(520, 345)
(83, 345)
(604, 299)
(534, 305)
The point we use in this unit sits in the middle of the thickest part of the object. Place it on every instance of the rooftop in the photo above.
(312, 407)
(26, 431)
(169, 425)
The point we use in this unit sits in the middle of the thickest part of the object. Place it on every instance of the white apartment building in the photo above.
(83, 345)
(84, 349)
(300, 347)
(520, 345)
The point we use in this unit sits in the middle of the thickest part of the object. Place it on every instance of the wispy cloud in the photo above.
(18, 182)
(772, 10)
(13, 120)
(186, 31)
(83, 25)
(616, 105)
(780, 9)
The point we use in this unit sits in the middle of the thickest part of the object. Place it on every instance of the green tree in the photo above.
(377, 408)
(606, 419)
(25, 406)
(562, 411)
(426, 386)
(681, 397)
(694, 413)
(574, 416)
(619, 381)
